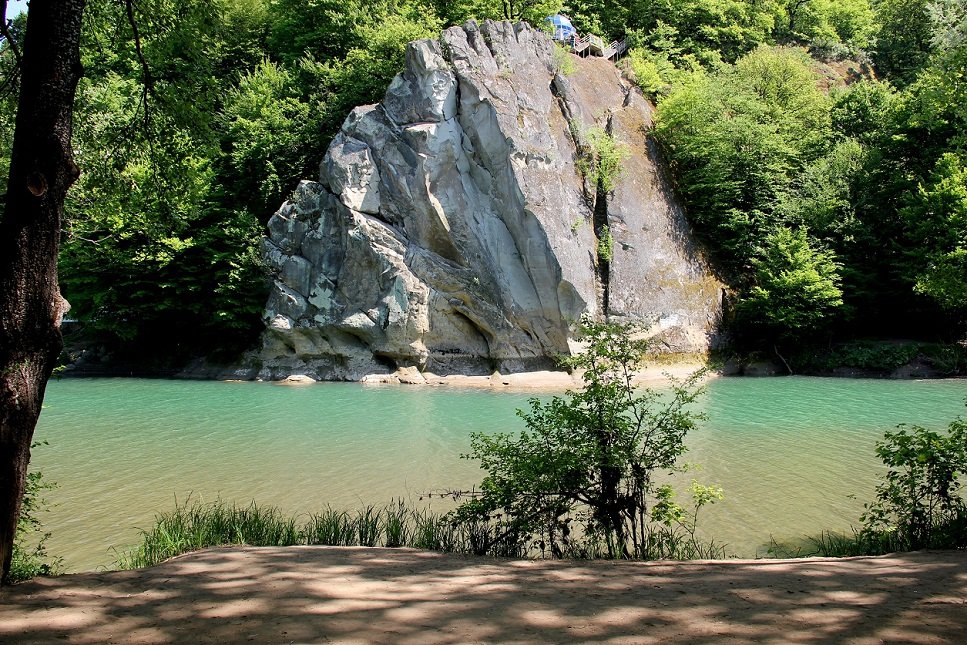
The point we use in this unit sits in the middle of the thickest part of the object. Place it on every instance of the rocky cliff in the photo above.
(451, 229)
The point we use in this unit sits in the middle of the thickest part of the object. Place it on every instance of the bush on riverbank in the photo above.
(30, 557)
(883, 358)
(919, 501)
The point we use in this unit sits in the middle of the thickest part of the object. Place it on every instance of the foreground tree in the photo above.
(581, 479)
(31, 308)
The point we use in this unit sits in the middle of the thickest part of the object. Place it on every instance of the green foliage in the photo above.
(656, 74)
(601, 158)
(563, 60)
(937, 216)
(646, 70)
(198, 526)
(736, 140)
(185, 158)
(920, 499)
(724, 28)
(194, 526)
(868, 355)
(903, 40)
(860, 111)
(340, 528)
(263, 119)
(796, 286)
(881, 357)
(605, 244)
(30, 557)
(581, 478)
(823, 23)
(832, 544)
(822, 200)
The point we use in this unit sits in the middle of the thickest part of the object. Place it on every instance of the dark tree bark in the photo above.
(41, 170)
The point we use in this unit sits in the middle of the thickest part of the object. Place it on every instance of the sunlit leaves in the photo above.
(796, 286)
(581, 475)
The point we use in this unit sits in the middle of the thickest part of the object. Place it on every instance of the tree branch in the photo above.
(146, 80)
(5, 32)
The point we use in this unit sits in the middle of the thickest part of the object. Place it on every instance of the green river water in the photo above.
(794, 455)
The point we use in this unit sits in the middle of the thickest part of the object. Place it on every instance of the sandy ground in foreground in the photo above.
(359, 595)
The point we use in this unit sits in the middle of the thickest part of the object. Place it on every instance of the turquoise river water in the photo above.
(794, 455)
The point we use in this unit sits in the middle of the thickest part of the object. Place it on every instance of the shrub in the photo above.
(601, 158)
(920, 500)
(580, 479)
(30, 556)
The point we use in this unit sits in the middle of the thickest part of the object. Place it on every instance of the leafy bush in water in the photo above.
(580, 480)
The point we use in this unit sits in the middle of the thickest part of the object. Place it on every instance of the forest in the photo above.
(818, 148)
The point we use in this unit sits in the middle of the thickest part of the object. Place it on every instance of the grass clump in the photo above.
(330, 528)
(197, 526)
(194, 526)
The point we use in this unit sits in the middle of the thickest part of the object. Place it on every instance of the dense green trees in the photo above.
(192, 131)
(865, 177)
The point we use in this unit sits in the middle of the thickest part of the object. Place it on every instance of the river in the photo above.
(794, 455)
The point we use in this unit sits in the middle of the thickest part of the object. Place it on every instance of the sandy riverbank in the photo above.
(550, 381)
(403, 596)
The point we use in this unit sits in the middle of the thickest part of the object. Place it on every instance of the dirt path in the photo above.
(357, 595)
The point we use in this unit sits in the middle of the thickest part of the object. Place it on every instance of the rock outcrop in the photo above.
(451, 229)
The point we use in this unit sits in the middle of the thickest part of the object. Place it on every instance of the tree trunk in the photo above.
(41, 170)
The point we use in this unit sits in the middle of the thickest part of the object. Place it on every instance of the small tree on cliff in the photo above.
(41, 171)
(590, 458)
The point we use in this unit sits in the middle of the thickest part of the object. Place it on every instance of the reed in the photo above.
(330, 528)
(833, 544)
(193, 526)
(432, 532)
(369, 526)
(396, 524)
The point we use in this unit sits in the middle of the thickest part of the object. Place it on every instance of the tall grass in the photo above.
(830, 544)
(193, 526)
(196, 526)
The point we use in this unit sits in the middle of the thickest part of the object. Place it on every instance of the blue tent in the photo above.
(563, 29)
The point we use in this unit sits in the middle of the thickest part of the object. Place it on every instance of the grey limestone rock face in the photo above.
(451, 230)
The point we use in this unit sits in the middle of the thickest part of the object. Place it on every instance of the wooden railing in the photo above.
(595, 45)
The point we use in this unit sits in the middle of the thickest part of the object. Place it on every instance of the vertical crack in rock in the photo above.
(602, 231)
